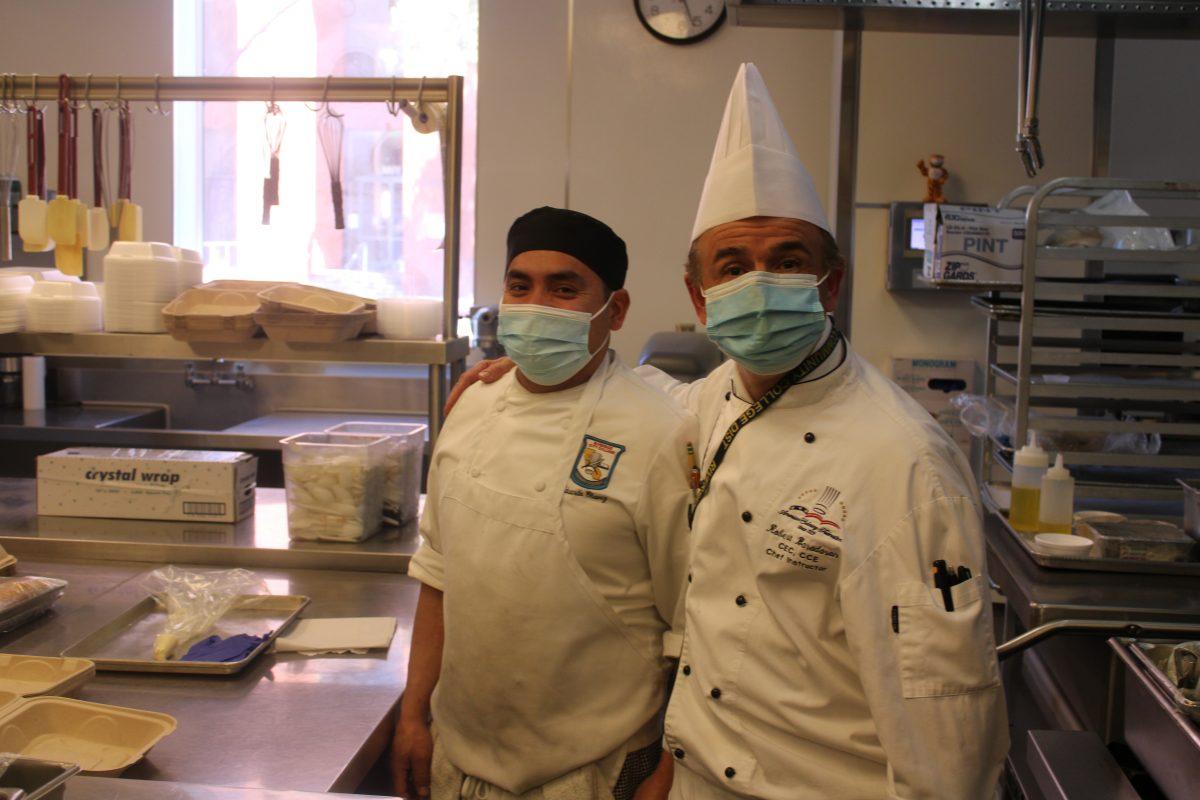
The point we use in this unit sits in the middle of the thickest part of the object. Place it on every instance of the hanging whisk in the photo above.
(274, 125)
(330, 128)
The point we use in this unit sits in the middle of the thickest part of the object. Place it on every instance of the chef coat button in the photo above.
(730, 772)
(499, 407)
(689, 577)
(716, 693)
(679, 753)
(747, 516)
(475, 473)
(728, 395)
(540, 486)
(740, 600)
(810, 437)
(687, 670)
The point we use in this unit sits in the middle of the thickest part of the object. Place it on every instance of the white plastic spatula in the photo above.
(68, 255)
(129, 213)
(31, 211)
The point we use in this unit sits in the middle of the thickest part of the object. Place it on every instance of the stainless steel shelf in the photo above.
(1179, 391)
(1109, 254)
(1006, 356)
(1126, 490)
(369, 350)
(1073, 289)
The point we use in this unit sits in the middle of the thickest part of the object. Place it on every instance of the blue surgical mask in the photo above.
(766, 321)
(549, 345)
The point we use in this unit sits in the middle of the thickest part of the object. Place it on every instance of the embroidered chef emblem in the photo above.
(819, 511)
(808, 532)
(596, 462)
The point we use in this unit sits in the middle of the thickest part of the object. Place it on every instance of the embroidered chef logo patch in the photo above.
(808, 532)
(596, 462)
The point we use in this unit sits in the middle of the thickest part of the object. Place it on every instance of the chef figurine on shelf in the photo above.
(554, 548)
(825, 655)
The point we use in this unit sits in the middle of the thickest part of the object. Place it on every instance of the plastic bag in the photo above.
(983, 416)
(194, 601)
(1120, 203)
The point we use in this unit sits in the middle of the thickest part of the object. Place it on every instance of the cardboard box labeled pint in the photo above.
(973, 244)
(136, 483)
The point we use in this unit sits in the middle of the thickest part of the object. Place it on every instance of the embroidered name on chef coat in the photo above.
(808, 532)
(596, 462)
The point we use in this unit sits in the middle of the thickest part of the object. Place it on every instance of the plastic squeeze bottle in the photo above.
(1029, 465)
(1057, 505)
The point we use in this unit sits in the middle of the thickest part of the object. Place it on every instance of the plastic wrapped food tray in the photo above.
(302, 327)
(1140, 540)
(212, 315)
(22, 599)
(1153, 657)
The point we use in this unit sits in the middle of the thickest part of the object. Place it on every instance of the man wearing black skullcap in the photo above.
(554, 548)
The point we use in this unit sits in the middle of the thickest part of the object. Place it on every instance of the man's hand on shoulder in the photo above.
(487, 371)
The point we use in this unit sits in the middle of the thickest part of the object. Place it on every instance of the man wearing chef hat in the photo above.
(554, 548)
(820, 660)
(821, 657)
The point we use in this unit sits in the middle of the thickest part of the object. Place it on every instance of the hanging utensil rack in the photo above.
(444, 358)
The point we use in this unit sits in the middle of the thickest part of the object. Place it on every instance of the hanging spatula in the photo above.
(31, 211)
(99, 232)
(129, 213)
(60, 213)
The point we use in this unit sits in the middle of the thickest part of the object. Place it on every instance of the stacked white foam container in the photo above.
(64, 307)
(191, 268)
(14, 293)
(139, 279)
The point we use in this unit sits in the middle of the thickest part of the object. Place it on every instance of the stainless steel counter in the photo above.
(287, 723)
(260, 541)
(85, 788)
(1038, 595)
(89, 417)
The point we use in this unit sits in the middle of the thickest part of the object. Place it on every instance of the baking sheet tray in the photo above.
(1089, 564)
(126, 644)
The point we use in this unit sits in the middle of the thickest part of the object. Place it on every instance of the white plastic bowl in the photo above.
(409, 317)
(1063, 544)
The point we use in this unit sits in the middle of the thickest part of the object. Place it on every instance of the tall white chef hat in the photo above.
(755, 171)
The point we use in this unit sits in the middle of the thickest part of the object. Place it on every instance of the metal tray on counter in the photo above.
(1089, 564)
(126, 644)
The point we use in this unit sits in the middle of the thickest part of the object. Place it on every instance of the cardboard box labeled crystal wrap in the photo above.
(136, 483)
(973, 244)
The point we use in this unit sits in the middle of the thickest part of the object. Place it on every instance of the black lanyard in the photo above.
(758, 407)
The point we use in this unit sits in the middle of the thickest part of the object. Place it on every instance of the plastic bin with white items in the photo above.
(334, 484)
(402, 465)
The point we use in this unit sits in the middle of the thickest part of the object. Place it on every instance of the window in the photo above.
(391, 175)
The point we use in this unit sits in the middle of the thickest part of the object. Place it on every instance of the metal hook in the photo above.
(323, 105)
(157, 107)
(118, 102)
(272, 106)
(423, 116)
(87, 94)
(394, 106)
(31, 104)
(6, 104)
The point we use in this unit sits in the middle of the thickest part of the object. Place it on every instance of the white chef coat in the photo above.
(618, 475)
(819, 529)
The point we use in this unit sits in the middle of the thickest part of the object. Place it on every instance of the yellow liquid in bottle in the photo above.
(1055, 527)
(1023, 511)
